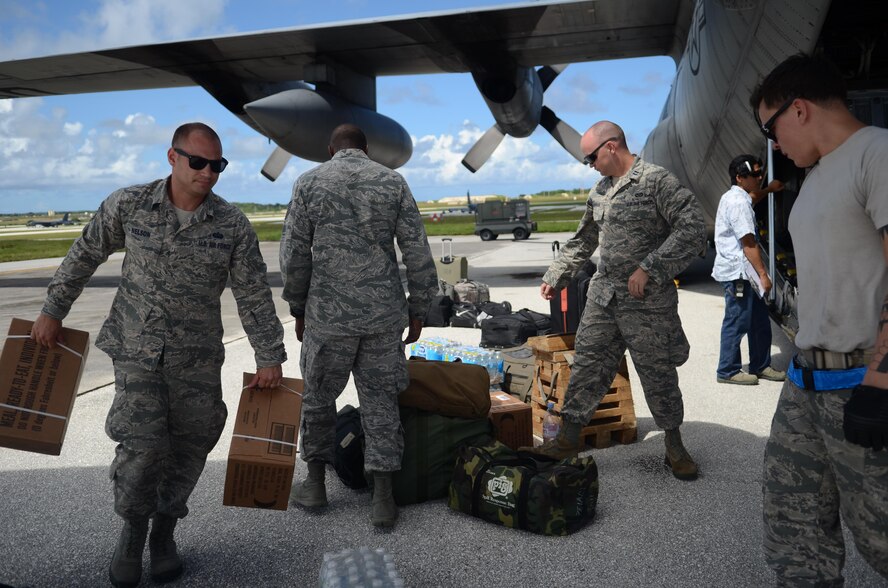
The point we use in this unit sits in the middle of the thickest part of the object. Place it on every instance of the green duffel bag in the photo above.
(431, 444)
(524, 491)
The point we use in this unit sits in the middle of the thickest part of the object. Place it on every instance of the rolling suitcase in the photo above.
(451, 269)
(567, 307)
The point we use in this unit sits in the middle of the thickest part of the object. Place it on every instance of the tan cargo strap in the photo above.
(821, 359)
(552, 385)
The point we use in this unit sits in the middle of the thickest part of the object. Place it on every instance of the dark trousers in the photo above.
(747, 315)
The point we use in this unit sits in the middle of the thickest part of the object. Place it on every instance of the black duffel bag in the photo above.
(440, 311)
(511, 330)
(465, 314)
(495, 308)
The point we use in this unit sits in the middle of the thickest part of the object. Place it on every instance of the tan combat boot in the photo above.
(384, 509)
(678, 458)
(166, 565)
(312, 492)
(126, 563)
(566, 444)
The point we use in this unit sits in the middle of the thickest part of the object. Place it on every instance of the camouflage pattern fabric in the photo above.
(644, 219)
(380, 370)
(501, 486)
(812, 475)
(165, 422)
(657, 344)
(167, 303)
(338, 258)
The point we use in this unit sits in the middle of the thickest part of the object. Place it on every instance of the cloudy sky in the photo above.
(69, 152)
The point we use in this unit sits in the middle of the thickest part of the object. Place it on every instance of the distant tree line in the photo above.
(252, 207)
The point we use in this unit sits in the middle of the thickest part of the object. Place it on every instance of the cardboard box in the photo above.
(37, 388)
(263, 447)
(512, 420)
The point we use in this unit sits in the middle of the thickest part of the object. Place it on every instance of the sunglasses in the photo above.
(590, 159)
(756, 174)
(217, 166)
(767, 128)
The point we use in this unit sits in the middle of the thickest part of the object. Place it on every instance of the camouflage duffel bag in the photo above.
(524, 491)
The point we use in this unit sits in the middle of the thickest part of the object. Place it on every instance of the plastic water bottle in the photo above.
(551, 423)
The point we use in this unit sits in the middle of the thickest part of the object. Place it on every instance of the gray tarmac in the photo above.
(57, 526)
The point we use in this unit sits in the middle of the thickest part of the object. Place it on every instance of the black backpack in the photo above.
(348, 458)
(440, 311)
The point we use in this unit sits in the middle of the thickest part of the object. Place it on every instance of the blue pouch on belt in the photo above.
(823, 380)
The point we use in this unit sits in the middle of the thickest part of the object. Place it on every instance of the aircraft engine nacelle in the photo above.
(301, 121)
(515, 101)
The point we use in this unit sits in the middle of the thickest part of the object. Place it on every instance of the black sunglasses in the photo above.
(196, 162)
(590, 159)
(767, 128)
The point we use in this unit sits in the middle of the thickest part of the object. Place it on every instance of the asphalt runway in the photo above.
(59, 529)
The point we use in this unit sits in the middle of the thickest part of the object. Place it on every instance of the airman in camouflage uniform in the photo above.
(164, 332)
(342, 282)
(649, 228)
(825, 461)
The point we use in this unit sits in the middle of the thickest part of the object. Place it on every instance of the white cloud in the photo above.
(651, 82)
(110, 23)
(72, 129)
(420, 92)
(12, 145)
(574, 93)
(521, 164)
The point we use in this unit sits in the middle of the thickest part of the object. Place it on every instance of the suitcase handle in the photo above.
(448, 258)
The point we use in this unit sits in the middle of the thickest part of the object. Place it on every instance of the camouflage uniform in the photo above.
(644, 219)
(340, 272)
(814, 478)
(164, 333)
(811, 475)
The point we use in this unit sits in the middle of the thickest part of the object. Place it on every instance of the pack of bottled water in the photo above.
(363, 567)
(443, 349)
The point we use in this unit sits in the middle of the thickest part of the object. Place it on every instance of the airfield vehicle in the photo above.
(497, 217)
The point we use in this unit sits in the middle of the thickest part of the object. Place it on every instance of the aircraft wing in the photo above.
(530, 34)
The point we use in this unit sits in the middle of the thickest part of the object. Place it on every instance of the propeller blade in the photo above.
(483, 149)
(562, 132)
(548, 73)
(275, 163)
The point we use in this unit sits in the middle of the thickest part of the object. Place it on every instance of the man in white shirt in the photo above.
(737, 256)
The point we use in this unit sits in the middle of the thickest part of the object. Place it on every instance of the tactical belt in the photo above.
(821, 359)
(803, 376)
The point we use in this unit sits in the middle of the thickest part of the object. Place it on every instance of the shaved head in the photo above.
(605, 129)
(604, 146)
(347, 136)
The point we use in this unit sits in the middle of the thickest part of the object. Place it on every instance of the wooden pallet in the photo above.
(552, 377)
(552, 347)
(614, 419)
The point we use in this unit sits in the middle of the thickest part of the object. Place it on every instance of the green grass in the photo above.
(15, 248)
(268, 231)
(22, 249)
